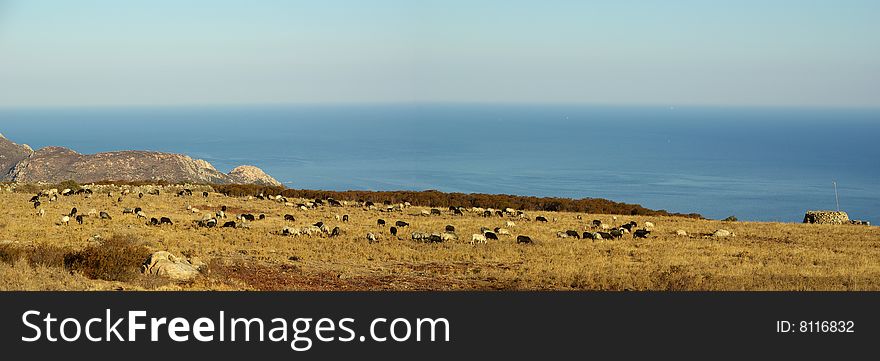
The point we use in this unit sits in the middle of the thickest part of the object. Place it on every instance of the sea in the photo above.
(754, 163)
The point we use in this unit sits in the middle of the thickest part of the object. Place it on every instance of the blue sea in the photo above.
(766, 164)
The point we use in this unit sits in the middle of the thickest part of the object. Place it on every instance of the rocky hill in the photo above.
(20, 163)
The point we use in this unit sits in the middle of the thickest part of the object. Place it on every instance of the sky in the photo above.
(674, 52)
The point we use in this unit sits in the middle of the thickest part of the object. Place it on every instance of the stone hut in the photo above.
(826, 217)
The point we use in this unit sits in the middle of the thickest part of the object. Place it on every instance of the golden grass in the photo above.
(762, 256)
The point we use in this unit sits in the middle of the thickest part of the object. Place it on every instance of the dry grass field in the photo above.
(761, 256)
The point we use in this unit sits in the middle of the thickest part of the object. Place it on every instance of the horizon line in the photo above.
(671, 106)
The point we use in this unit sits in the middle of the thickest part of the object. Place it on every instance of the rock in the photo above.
(681, 232)
(248, 174)
(165, 264)
(19, 163)
(826, 217)
(722, 233)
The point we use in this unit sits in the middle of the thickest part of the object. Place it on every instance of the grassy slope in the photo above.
(762, 256)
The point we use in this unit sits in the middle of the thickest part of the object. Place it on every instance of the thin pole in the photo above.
(836, 197)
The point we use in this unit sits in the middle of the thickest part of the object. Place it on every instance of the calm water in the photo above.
(756, 163)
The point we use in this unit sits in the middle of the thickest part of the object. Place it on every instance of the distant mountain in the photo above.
(20, 163)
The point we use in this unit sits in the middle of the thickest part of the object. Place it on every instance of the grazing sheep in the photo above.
(491, 235)
(641, 233)
(561, 235)
(65, 220)
(524, 240)
(681, 232)
(154, 221)
(573, 234)
(141, 214)
(457, 212)
(380, 223)
(426, 213)
(289, 218)
(166, 220)
(79, 219)
(221, 215)
(617, 233)
(41, 212)
(230, 224)
(336, 232)
(448, 237)
(479, 238)
(73, 212)
(588, 235)
(450, 229)
(37, 204)
(205, 194)
(510, 224)
(435, 238)
(604, 235)
(649, 225)
(137, 210)
(402, 224)
(436, 212)
(372, 238)
(262, 217)
(195, 210)
(345, 218)
(722, 233)
(541, 219)
(502, 232)
(140, 195)
(597, 223)
(419, 236)
(393, 231)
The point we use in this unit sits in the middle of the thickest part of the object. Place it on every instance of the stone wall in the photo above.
(826, 217)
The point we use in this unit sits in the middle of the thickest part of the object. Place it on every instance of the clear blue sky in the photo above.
(676, 52)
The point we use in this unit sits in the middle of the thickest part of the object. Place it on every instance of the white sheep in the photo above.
(478, 238)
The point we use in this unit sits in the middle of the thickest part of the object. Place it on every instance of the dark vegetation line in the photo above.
(429, 198)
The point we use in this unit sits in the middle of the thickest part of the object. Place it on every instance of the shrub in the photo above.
(69, 184)
(730, 219)
(118, 259)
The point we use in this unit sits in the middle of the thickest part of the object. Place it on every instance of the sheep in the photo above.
(649, 225)
(393, 231)
(491, 235)
(561, 235)
(205, 194)
(230, 224)
(289, 218)
(141, 214)
(166, 220)
(372, 238)
(596, 223)
(426, 213)
(502, 232)
(79, 219)
(588, 235)
(478, 238)
(418, 236)
(402, 224)
(37, 204)
(510, 224)
(345, 218)
(65, 220)
(336, 232)
(524, 240)
(221, 214)
(435, 212)
(41, 212)
(380, 223)
(73, 212)
(195, 210)
(450, 229)
(573, 234)
(641, 233)
(541, 219)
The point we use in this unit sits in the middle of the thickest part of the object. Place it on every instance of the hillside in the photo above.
(39, 252)
(19, 163)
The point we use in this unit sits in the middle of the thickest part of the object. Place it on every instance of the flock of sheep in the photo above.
(219, 219)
